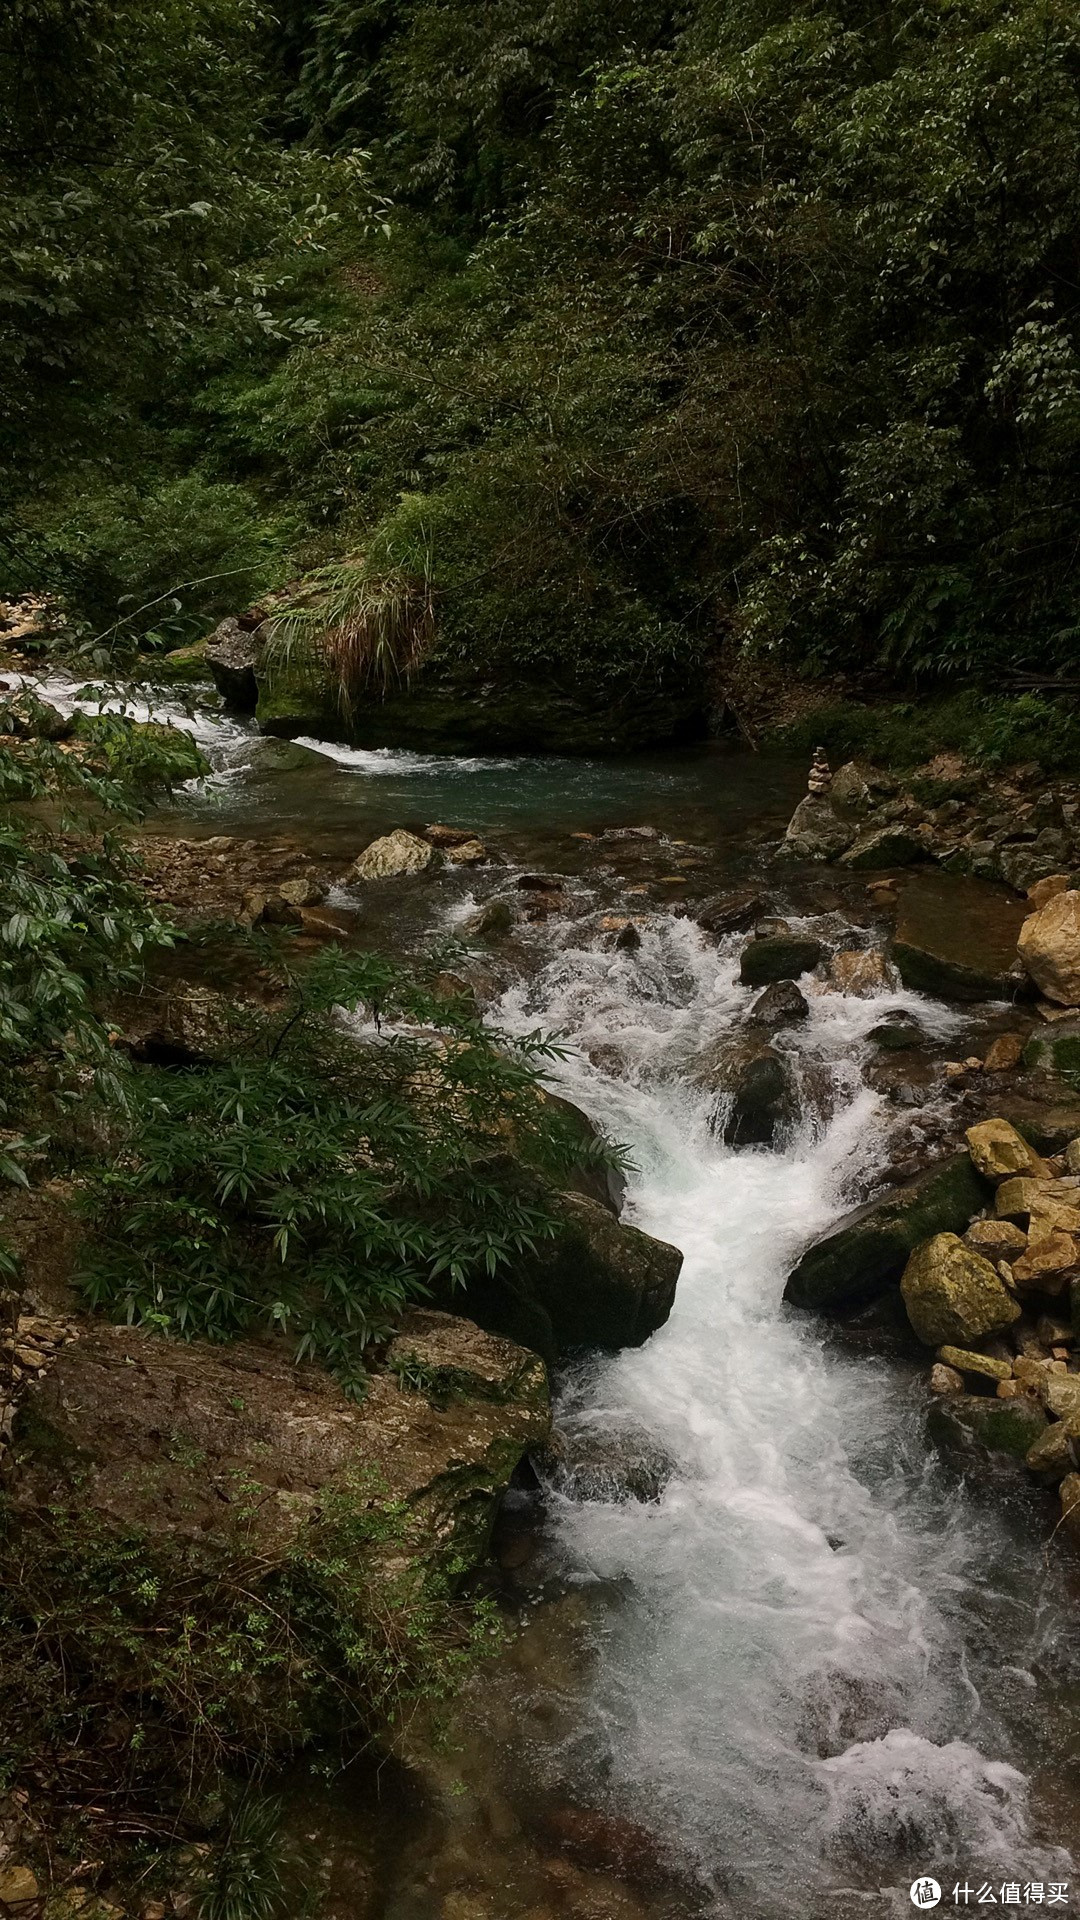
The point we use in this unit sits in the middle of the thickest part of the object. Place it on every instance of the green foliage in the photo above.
(142, 1669)
(319, 1177)
(246, 1880)
(989, 730)
(74, 925)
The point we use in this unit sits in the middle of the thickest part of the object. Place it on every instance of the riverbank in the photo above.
(739, 1467)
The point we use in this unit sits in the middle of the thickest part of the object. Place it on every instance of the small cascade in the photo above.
(802, 1681)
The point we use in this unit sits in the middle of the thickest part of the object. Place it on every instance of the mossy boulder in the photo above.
(778, 956)
(183, 667)
(868, 1249)
(1055, 1049)
(884, 847)
(953, 1295)
(448, 708)
(598, 1283)
(978, 1424)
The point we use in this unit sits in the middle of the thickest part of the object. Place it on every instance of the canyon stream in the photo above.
(815, 1662)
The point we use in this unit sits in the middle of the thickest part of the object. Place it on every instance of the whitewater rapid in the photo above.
(792, 1684)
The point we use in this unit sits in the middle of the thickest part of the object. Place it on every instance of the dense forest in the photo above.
(618, 337)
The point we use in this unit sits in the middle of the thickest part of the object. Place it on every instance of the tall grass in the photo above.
(357, 633)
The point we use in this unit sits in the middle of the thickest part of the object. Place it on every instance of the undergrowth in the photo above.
(990, 729)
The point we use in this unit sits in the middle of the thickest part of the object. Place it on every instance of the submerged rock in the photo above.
(867, 1250)
(859, 971)
(778, 956)
(885, 847)
(956, 939)
(760, 1098)
(727, 912)
(975, 1423)
(952, 1295)
(781, 1005)
(613, 1461)
(394, 854)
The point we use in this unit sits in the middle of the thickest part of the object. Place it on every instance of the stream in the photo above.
(818, 1663)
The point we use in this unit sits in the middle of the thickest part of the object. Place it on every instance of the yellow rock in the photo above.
(995, 1239)
(966, 1362)
(1015, 1198)
(952, 1295)
(1049, 946)
(1046, 1263)
(17, 1886)
(945, 1379)
(1004, 1053)
(999, 1151)
(1070, 1502)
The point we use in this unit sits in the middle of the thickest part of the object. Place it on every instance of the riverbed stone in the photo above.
(956, 939)
(816, 831)
(1015, 1197)
(859, 971)
(995, 1239)
(1004, 1054)
(975, 1423)
(999, 1151)
(891, 846)
(781, 1005)
(983, 1364)
(392, 855)
(1049, 946)
(18, 1886)
(1047, 1263)
(1053, 1453)
(778, 956)
(867, 1250)
(952, 1295)
(1055, 1048)
(944, 1379)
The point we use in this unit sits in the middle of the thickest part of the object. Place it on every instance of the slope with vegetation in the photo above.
(589, 345)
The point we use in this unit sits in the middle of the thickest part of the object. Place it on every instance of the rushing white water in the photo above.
(792, 1683)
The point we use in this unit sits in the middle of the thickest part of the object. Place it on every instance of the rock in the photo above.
(781, 1005)
(467, 853)
(596, 1180)
(302, 893)
(394, 854)
(1047, 888)
(1015, 1198)
(759, 1098)
(861, 972)
(728, 913)
(884, 847)
(897, 1035)
(445, 837)
(945, 1379)
(973, 1422)
(1004, 1053)
(494, 921)
(956, 939)
(164, 1432)
(231, 654)
(778, 957)
(1053, 1333)
(995, 1239)
(628, 939)
(1061, 1395)
(952, 1295)
(1072, 1156)
(182, 667)
(1056, 1048)
(18, 1886)
(1054, 1208)
(28, 717)
(867, 1250)
(981, 1363)
(590, 1459)
(1047, 1262)
(1052, 1454)
(816, 832)
(539, 882)
(260, 908)
(1049, 946)
(998, 1151)
(597, 1284)
(850, 791)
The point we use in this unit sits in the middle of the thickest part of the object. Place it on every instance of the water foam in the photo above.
(788, 1682)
